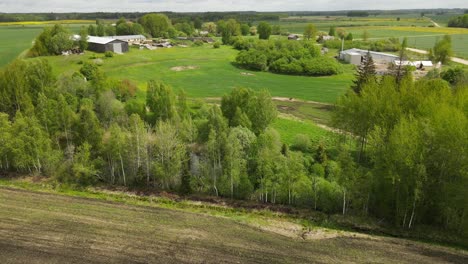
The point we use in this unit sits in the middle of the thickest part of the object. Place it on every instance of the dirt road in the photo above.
(457, 60)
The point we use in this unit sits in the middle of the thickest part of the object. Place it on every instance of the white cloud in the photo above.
(216, 5)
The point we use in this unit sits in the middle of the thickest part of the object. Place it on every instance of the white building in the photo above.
(354, 56)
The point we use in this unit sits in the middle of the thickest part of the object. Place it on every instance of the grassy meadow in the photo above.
(212, 75)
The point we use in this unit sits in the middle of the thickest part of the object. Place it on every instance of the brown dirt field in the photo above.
(49, 228)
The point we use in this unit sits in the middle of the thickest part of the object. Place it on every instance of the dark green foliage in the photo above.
(286, 57)
(253, 110)
(264, 30)
(109, 54)
(228, 30)
(459, 21)
(365, 74)
(455, 76)
(392, 44)
(217, 45)
(357, 14)
(52, 41)
(245, 29)
(157, 25)
(160, 100)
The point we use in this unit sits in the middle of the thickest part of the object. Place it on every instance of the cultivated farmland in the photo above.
(49, 228)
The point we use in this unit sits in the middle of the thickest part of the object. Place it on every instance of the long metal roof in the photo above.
(100, 40)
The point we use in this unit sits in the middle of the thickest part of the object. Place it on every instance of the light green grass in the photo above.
(16, 39)
(289, 128)
(214, 76)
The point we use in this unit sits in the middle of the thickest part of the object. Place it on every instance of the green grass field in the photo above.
(18, 38)
(459, 43)
(213, 74)
(290, 127)
(39, 227)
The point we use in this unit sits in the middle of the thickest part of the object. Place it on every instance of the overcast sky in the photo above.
(25, 6)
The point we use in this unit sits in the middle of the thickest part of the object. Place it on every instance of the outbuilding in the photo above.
(354, 56)
(100, 44)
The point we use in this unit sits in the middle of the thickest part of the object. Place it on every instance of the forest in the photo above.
(409, 166)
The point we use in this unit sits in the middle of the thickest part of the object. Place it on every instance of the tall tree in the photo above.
(160, 100)
(310, 32)
(365, 74)
(264, 30)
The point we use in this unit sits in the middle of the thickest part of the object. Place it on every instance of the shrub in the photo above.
(198, 43)
(217, 45)
(301, 142)
(252, 60)
(109, 54)
(287, 57)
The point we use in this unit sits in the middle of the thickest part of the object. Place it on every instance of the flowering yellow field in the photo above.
(30, 23)
(429, 30)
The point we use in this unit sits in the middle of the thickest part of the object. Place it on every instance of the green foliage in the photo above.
(287, 57)
(109, 54)
(52, 41)
(253, 110)
(264, 30)
(217, 45)
(365, 74)
(160, 100)
(157, 25)
(310, 32)
(443, 50)
(228, 30)
(455, 76)
(392, 44)
(459, 21)
(332, 31)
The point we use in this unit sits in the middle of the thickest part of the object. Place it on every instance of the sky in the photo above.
(57, 6)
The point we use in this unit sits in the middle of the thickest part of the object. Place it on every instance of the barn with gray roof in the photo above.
(100, 44)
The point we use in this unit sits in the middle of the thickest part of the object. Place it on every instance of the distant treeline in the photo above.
(208, 16)
(245, 16)
(460, 21)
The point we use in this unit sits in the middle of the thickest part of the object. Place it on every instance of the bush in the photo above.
(217, 45)
(301, 142)
(109, 54)
(287, 57)
(197, 43)
(253, 60)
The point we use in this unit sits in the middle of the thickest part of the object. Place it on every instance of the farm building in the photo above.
(100, 44)
(130, 38)
(293, 37)
(354, 56)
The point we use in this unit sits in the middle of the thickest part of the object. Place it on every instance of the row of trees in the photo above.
(413, 140)
(86, 132)
(54, 40)
(459, 21)
(288, 57)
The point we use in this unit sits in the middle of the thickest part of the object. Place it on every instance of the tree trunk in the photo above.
(123, 170)
(344, 201)
(412, 214)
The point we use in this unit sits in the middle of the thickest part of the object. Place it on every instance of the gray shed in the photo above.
(99, 44)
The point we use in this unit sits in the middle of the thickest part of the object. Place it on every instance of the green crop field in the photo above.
(212, 73)
(18, 38)
(15, 40)
(459, 43)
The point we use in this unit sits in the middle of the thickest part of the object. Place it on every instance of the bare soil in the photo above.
(184, 68)
(49, 228)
